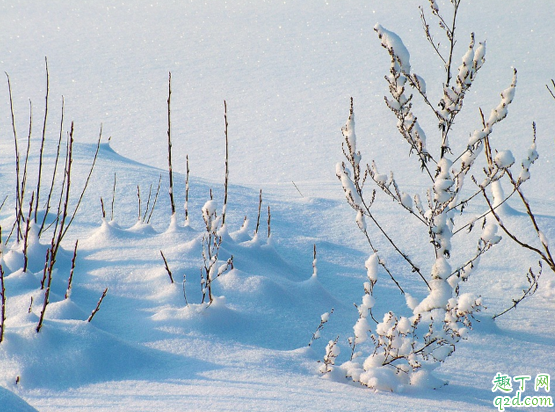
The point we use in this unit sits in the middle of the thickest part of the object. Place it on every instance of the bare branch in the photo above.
(94, 312)
(167, 267)
(226, 178)
(170, 169)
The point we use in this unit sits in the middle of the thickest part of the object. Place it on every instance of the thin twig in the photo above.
(551, 92)
(147, 203)
(269, 222)
(3, 296)
(187, 190)
(532, 288)
(323, 321)
(167, 267)
(226, 179)
(70, 280)
(155, 199)
(26, 162)
(98, 305)
(18, 199)
(102, 208)
(259, 210)
(113, 198)
(45, 271)
(139, 202)
(49, 266)
(297, 188)
(86, 181)
(170, 169)
(26, 238)
(64, 210)
(43, 138)
(54, 172)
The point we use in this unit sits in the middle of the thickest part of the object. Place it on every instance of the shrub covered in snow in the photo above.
(404, 349)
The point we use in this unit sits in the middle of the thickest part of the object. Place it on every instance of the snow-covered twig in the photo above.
(544, 252)
(332, 352)
(323, 320)
(211, 243)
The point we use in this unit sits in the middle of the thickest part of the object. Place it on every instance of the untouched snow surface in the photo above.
(287, 70)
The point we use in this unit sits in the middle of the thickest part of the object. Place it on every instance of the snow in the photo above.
(287, 71)
(393, 43)
(504, 159)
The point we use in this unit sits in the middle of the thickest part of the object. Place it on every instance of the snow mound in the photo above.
(13, 403)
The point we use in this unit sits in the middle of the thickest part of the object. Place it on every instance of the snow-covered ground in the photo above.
(287, 71)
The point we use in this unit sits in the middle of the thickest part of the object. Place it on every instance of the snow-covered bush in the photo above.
(405, 348)
(211, 243)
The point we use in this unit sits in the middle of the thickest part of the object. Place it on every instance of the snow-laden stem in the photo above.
(544, 252)
(353, 188)
(324, 318)
(211, 243)
(332, 352)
